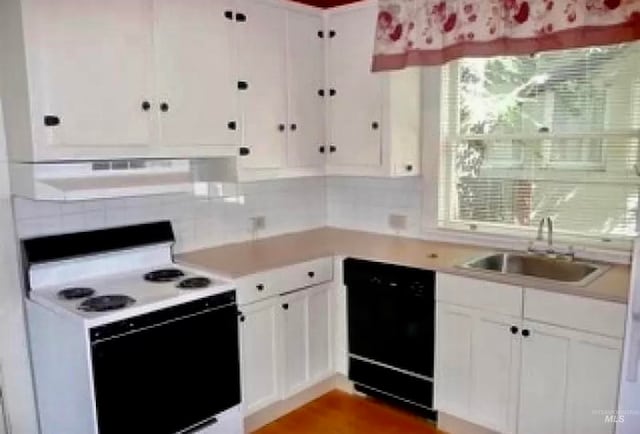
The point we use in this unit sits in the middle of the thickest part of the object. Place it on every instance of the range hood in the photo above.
(86, 180)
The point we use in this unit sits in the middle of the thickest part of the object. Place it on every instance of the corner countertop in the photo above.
(242, 259)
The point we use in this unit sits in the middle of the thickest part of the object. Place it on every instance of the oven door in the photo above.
(171, 377)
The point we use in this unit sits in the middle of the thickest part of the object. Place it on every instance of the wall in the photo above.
(287, 205)
(325, 3)
(365, 203)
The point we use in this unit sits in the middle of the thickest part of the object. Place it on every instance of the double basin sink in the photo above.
(537, 266)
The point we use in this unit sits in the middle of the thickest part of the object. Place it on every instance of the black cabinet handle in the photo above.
(332, 92)
(243, 85)
(375, 125)
(232, 125)
(164, 107)
(240, 17)
(321, 149)
(51, 121)
(228, 15)
(311, 274)
(259, 286)
(332, 33)
(146, 105)
(285, 306)
(281, 127)
(332, 149)
(321, 92)
(293, 127)
(514, 330)
(244, 151)
(409, 167)
(242, 318)
(525, 333)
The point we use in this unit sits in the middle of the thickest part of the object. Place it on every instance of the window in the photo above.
(555, 134)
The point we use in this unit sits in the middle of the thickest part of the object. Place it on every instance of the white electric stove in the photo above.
(123, 339)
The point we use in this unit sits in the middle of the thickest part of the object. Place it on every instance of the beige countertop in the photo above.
(242, 259)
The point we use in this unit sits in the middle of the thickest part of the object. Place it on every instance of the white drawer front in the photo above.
(581, 313)
(280, 280)
(479, 294)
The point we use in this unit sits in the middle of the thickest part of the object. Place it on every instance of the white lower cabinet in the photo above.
(531, 368)
(478, 358)
(286, 345)
(569, 381)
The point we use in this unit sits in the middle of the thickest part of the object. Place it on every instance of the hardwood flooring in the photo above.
(341, 413)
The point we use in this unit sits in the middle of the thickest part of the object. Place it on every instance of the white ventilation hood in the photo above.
(86, 180)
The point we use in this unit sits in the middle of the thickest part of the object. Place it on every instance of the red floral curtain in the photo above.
(433, 32)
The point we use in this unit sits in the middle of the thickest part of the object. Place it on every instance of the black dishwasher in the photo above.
(391, 329)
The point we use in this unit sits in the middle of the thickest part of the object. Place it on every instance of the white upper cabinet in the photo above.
(374, 118)
(264, 67)
(306, 71)
(195, 72)
(91, 70)
(355, 93)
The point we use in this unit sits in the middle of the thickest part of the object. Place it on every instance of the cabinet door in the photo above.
(259, 354)
(195, 72)
(320, 328)
(91, 66)
(356, 108)
(264, 103)
(477, 363)
(294, 329)
(3, 428)
(568, 380)
(306, 77)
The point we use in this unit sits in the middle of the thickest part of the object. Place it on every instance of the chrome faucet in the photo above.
(549, 233)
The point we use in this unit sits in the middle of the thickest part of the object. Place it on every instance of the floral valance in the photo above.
(433, 32)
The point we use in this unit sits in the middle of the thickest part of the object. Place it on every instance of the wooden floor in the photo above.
(341, 413)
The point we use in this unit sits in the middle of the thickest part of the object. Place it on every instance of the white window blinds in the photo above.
(555, 134)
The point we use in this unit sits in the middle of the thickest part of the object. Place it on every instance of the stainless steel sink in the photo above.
(537, 266)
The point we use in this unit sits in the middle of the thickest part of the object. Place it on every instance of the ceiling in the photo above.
(325, 3)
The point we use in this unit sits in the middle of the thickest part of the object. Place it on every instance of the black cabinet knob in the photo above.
(332, 92)
(332, 149)
(146, 105)
(285, 306)
(375, 125)
(525, 333)
(281, 127)
(260, 287)
(321, 149)
(293, 127)
(320, 34)
(232, 125)
(242, 318)
(244, 151)
(240, 17)
(51, 121)
(228, 15)
(164, 107)
(321, 92)
(311, 274)
(514, 330)
(332, 33)
(409, 167)
(243, 85)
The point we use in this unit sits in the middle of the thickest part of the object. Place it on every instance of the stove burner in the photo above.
(76, 293)
(103, 303)
(163, 275)
(194, 283)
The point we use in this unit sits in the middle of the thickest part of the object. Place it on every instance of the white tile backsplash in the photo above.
(366, 203)
(287, 205)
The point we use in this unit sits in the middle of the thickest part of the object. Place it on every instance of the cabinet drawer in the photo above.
(479, 294)
(280, 280)
(581, 313)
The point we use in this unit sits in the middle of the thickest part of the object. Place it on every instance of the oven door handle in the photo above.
(200, 425)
